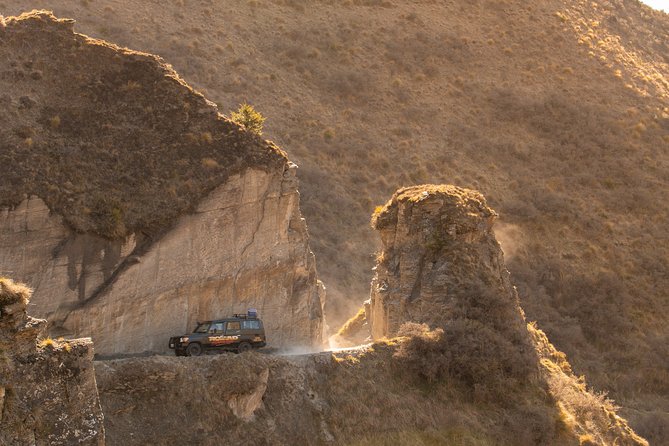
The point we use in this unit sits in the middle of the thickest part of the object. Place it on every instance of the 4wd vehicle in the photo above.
(240, 333)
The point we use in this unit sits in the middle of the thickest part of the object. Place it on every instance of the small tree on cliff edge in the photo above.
(249, 118)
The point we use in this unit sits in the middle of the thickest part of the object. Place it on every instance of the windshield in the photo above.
(202, 328)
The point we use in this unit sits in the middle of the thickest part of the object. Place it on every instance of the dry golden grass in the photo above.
(47, 343)
(210, 163)
(590, 414)
(12, 292)
(417, 94)
(54, 345)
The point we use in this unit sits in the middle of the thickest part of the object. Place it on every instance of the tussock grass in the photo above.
(12, 292)
(47, 343)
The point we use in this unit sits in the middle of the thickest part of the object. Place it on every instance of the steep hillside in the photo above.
(117, 144)
(556, 110)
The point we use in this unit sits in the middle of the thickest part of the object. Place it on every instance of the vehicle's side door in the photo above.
(216, 332)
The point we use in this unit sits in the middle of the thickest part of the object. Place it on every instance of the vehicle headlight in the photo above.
(184, 339)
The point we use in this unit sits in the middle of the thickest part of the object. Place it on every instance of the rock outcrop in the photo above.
(48, 393)
(437, 243)
(442, 267)
(133, 208)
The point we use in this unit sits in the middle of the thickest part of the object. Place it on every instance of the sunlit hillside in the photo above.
(558, 111)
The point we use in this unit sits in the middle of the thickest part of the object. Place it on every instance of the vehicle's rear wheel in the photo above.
(244, 347)
(194, 349)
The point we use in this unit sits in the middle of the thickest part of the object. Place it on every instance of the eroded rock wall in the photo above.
(48, 392)
(244, 247)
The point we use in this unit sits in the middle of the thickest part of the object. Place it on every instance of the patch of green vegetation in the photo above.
(108, 215)
(249, 118)
(437, 242)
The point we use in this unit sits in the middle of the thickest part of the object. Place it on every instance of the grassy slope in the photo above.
(556, 111)
(111, 139)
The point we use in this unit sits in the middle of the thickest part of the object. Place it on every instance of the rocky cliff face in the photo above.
(143, 210)
(48, 393)
(245, 246)
(437, 243)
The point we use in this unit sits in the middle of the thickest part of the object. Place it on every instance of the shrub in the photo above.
(108, 214)
(413, 329)
(478, 357)
(47, 343)
(249, 118)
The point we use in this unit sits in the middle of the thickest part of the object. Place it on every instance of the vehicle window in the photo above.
(251, 325)
(216, 327)
(202, 328)
(233, 326)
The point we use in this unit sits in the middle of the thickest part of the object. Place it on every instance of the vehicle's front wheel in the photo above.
(194, 349)
(244, 347)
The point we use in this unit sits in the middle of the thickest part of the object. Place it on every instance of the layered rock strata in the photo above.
(48, 393)
(143, 209)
